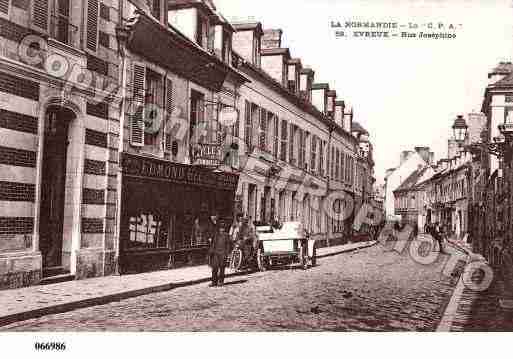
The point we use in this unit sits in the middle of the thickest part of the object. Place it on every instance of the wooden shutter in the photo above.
(137, 112)
(276, 136)
(40, 15)
(5, 7)
(291, 144)
(247, 125)
(92, 25)
(169, 109)
(262, 142)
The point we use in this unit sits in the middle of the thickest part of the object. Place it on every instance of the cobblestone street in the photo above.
(370, 289)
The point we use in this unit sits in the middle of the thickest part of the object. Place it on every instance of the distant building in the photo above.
(409, 163)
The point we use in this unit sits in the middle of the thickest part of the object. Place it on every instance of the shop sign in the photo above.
(146, 167)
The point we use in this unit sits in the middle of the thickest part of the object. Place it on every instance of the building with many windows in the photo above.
(113, 148)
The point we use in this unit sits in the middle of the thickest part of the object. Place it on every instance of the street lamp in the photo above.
(460, 128)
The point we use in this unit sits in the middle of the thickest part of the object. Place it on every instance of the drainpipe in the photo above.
(122, 34)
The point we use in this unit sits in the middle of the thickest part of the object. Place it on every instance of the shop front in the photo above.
(162, 205)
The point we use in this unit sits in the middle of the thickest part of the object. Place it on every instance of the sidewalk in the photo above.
(480, 311)
(31, 302)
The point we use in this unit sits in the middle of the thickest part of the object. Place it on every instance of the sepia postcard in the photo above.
(237, 167)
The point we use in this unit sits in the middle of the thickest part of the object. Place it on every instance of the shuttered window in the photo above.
(40, 12)
(343, 167)
(169, 109)
(262, 137)
(4, 8)
(92, 25)
(292, 134)
(276, 134)
(283, 150)
(137, 112)
(313, 153)
(248, 127)
(337, 165)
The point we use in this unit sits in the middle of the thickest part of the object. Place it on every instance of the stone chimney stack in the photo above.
(272, 39)
(423, 152)
(339, 113)
(431, 158)
(476, 123)
(452, 148)
(404, 157)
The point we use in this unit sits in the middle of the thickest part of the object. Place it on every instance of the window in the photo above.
(337, 164)
(202, 31)
(104, 12)
(155, 8)
(262, 142)
(332, 158)
(303, 135)
(322, 146)
(197, 122)
(292, 139)
(248, 126)
(313, 153)
(61, 27)
(103, 39)
(227, 46)
(343, 167)
(154, 95)
(292, 86)
(283, 150)
(276, 134)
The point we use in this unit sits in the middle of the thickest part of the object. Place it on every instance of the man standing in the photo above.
(218, 253)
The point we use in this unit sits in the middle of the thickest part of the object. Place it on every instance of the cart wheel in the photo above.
(236, 260)
(261, 260)
(314, 256)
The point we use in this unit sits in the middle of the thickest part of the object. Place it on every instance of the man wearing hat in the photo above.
(218, 253)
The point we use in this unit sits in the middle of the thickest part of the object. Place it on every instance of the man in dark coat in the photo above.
(218, 253)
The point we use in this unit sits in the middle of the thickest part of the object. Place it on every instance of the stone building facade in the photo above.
(112, 147)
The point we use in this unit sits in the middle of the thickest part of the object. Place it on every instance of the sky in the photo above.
(406, 92)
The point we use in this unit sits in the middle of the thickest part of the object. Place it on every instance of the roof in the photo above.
(244, 26)
(503, 68)
(321, 86)
(307, 70)
(339, 103)
(275, 51)
(356, 127)
(295, 61)
(332, 93)
(411, 180)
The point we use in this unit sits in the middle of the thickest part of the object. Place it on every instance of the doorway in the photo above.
(53, 184)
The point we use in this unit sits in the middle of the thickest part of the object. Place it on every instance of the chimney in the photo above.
(431, 158)
(331, 97)
(247, 41)
(271, 39)
(348, 118)
(389, 172)
(502, 70)
(404, 157)
(306, 79)
(452, 148)
(476, 123)
(423, 152)
(339, 113)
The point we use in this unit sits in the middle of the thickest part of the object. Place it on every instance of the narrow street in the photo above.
(371, 289)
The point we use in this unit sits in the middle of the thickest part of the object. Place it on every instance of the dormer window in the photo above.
(227, 46)
(202, 31)
(155, 8)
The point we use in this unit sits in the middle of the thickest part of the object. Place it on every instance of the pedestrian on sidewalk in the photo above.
(438, 234)
(218, 253)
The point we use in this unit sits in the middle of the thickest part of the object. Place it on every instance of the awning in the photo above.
(172, 50)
